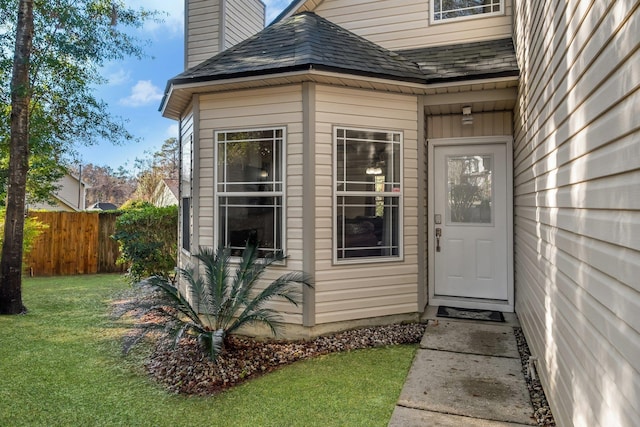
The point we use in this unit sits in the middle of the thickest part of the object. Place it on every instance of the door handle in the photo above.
(438, 235)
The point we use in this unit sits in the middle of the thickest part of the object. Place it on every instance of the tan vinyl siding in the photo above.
(202, 31)
(253, 109)
(214, 25)
(404, 24)
(357, 291)
(243, 18)
(577, 209)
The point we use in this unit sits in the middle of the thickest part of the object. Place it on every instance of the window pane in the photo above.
(363, 157)
(186, 164)
(186, 223)
(248, 161)
(368, 226)
(368, 217)
(469, 189)
(254, 219)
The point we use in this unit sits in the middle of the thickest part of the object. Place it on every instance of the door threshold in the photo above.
(481, 304)
(431, 314)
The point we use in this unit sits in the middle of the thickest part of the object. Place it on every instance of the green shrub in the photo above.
(148, 240)
(135, 204)
(32, 229)
(221, 302)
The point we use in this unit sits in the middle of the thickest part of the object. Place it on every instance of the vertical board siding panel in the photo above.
(576, 161)
(404, 24)
(68, 245)
(340, 286)
(484, 124)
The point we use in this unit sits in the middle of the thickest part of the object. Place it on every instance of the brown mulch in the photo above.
(185, 368)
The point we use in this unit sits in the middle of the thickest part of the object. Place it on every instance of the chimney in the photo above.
(212, 26)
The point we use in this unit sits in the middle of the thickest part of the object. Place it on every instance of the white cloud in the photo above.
(118, 77)
(142, 93)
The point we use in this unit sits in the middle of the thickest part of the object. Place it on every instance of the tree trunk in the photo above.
(11, 261)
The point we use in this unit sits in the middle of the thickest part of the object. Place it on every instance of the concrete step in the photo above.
(490, 339)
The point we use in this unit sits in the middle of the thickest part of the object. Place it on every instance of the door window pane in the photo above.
(470, 189)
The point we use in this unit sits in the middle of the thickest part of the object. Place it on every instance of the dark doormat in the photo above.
(470, 314)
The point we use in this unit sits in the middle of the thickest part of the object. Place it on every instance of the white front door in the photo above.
(470, 240)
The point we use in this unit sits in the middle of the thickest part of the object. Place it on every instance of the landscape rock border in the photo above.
(541, 409)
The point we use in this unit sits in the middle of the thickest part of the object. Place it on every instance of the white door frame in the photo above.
(484, 304)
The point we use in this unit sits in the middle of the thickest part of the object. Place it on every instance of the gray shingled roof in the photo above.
(307, 41)
(493, 58)
(302, 42)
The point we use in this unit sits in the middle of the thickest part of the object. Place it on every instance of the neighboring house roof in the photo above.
(69, 195)
(492, 58)
(172, 184)
(103, 206)
(302, 42)
(166, 193)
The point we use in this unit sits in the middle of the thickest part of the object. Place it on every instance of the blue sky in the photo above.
(135, 87)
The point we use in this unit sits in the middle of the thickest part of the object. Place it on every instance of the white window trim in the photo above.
(336, 194)
(433, 20)
(283, 193)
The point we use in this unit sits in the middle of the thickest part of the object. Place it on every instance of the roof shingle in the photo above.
(307, 41)
(301, 42)
(492, 58)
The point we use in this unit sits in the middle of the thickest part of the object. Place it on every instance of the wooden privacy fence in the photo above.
(74, 243)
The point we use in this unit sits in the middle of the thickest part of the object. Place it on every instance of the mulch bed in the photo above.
(185, 368)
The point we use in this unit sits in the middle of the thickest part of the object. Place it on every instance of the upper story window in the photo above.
(250, 189)
(445, 10)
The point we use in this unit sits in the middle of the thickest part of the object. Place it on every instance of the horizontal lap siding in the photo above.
(243, 18)
(202, 31)
(253, 109)
(357, 291)
(404, 24)
(577, 215)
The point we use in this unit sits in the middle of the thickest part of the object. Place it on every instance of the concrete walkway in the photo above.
(466, 373)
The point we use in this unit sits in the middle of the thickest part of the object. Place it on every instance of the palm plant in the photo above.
(220, 303)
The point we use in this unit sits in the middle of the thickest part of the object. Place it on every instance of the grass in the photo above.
(61, 365)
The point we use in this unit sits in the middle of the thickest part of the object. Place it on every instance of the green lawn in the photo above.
(61, 365)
